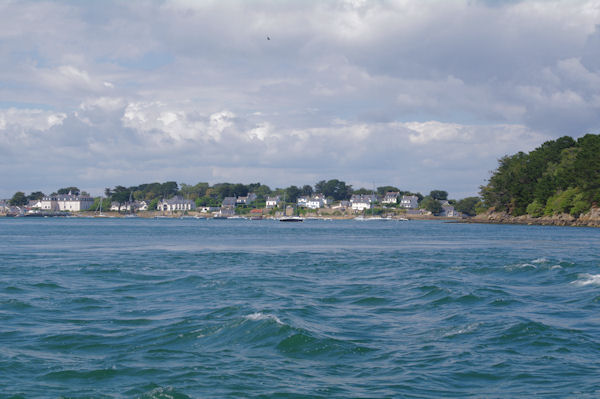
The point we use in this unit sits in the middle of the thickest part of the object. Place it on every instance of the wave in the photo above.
(465, 329)
(163, 393)
(262, 316)
(587, 279)
(520, 266)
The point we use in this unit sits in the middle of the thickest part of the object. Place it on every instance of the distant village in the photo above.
(217, 202)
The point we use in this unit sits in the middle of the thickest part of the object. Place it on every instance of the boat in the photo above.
(99, 213)
(291, 219)
(131, 213)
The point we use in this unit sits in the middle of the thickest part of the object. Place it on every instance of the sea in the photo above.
(188, 308)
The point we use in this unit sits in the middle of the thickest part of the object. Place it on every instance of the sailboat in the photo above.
(373, 217)
(294, 218)
(131, 214)
(99, 210)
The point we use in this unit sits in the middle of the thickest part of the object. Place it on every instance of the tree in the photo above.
(386, 189)
(468, 205)
(240, 190)
(292, 193)
(121, 195)
(555, 166)
(18, 199)
(336, 189)
(362, 191)
(307, 190)
(439, 195)
(432, 205)
(222, 190)
(36, 196)
(169, 189)
(153, 204)
(206, 201)
(67, 190)
(262, 192)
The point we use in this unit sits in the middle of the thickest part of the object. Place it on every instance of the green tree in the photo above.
(587, 163)
(67, 190)
(535, 209)
(153, 204)
(169, 189)
(18, 199)
(468, 205)
(239, 190)
(432, 205)
(207, 201)
(262, 192)
(362, 191)
(385, 189)
(307, 190)
(36, 196)
(292, 193)
(336, 189)
(439, 195)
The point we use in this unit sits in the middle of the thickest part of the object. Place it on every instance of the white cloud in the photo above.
(29, 120)
(440, 88)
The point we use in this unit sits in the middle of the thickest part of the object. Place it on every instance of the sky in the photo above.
(419, 94)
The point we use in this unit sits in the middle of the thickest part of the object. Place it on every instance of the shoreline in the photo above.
(588, 219)
(198, 215)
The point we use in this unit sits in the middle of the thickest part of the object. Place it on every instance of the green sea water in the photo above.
(137, 308)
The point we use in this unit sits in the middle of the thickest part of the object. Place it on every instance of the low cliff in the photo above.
(589, 219)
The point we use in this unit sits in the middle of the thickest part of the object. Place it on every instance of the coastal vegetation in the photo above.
(205, 195)
(561, 176)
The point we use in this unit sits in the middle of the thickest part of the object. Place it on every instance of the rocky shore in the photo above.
(588, 219)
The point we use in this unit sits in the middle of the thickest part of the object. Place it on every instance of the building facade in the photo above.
(66, 202)
(176, 204)
(409, 202)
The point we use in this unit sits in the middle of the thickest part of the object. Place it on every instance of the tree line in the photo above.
(205, 194)
(560, 176)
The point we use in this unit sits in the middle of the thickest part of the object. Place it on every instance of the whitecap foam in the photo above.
(587, 279)
(556, 267)
(540, 260)
(261, 316)
(462, 330)
(521, 266)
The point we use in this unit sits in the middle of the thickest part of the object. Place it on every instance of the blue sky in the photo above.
(418, 94)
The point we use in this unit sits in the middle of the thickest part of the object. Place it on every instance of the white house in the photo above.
(322, 198)
(360, 202)
(342, 205)
(409, 202)
(391, 197)
(176, 203)
(314, 202)
(67, 202)
(137, 206)
(273, 202)
(115, 206)
(35, 204)
(361, 205)
(140, 205)
(302, 201)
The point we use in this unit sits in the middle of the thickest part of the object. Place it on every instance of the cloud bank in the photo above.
(421, 95)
